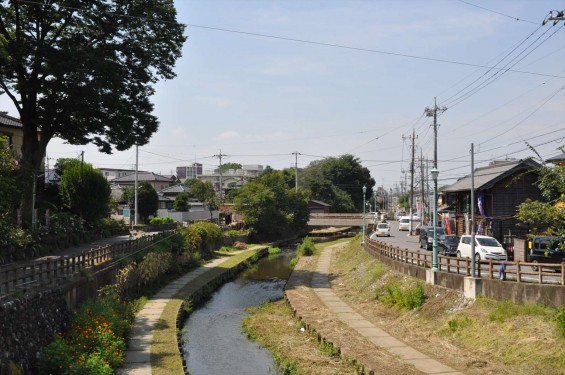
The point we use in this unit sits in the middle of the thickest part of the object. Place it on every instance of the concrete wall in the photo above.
(501, 290)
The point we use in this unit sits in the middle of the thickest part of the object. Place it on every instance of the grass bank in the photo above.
(476, 337)
(165, 354)
(295, 350)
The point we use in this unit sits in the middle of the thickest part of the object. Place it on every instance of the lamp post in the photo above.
(364, 191)
(435, 173)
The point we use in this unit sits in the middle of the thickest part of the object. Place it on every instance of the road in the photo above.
(404, 241)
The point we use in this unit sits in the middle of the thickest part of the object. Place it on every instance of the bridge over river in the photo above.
(339, 220)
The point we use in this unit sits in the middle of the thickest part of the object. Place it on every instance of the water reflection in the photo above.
(214, 342)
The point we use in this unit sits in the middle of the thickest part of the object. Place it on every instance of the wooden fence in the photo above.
(517, 271)
(24, 277)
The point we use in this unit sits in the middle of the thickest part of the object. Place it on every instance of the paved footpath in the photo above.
(379, 337)
(138, 355)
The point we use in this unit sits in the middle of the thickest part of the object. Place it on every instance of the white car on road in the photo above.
(383, 229)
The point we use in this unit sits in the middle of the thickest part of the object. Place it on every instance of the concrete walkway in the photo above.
(379, 337)
(138, 355)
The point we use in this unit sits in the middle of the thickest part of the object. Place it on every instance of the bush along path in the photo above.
(355, 337)
(154, 346)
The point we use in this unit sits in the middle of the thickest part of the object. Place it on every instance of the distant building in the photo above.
(190, 171)
(113, 173)
(231, 178)
(157, 181)
(13, 129)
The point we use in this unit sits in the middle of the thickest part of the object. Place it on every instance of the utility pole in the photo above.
(555, 16)
(422, 188)
(427, 182)
(135, 184)
(412, 179)
(473, 266)
(296, 153)
(221, 185)
(432, 112)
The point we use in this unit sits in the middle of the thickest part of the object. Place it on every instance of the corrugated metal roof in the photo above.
(485, 177)
(10, 121)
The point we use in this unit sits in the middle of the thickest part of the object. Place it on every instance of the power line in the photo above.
(333, 45)
(500, 13)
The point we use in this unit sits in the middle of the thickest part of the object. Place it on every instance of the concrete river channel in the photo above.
(214, 342)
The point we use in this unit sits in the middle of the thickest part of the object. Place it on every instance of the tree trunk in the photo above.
(33, 152)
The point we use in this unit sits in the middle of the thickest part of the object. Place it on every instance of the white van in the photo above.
(485, 248)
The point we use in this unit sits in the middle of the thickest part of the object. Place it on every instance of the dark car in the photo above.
(547, 249)
(447, 244)
(427, 236)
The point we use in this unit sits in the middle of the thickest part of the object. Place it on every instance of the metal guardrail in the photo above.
(520, 272)
(24, 277)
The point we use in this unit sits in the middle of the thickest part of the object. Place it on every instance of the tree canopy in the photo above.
(147, 199)
(182, 202)
(547, 216)
(84, 70)
(85, 191)
(227, 166)
(338, 182)
(204, 192)
(270, 206)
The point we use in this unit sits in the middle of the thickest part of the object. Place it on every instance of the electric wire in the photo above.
(333, 45)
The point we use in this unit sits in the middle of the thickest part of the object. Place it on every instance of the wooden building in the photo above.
(499, 189)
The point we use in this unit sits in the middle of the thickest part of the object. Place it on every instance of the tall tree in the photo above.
(147, 199)
(271, 207)
(338, 182)
(85, 191)
(182, 202)
(204, 192)
(84, 70)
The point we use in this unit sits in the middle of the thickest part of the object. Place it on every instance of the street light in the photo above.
(364, 191)
(435, 173)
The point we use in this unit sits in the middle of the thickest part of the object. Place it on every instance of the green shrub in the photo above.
(407, 296)
(161, 220)
(92, 364)
(293, 262)
(154, 265)
(457, 324)
(95, 343)
(233, 233)
(56, 357)
(307, 247)
(274, 250)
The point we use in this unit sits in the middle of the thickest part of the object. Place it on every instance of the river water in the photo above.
(214, 342)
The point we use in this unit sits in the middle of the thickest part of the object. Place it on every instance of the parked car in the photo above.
(546, 249)
(427, 236)
(485, 248)
(400, 214)
(447, 244)
(383, 229)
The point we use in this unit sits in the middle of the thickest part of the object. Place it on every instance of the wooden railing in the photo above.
(23, 277)
(517, 271)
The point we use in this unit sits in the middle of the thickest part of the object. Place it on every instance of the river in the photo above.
(214, 342)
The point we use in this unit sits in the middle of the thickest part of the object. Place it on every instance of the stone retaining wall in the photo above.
(29, 324)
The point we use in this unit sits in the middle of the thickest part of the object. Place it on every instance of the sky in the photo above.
(261, 80)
